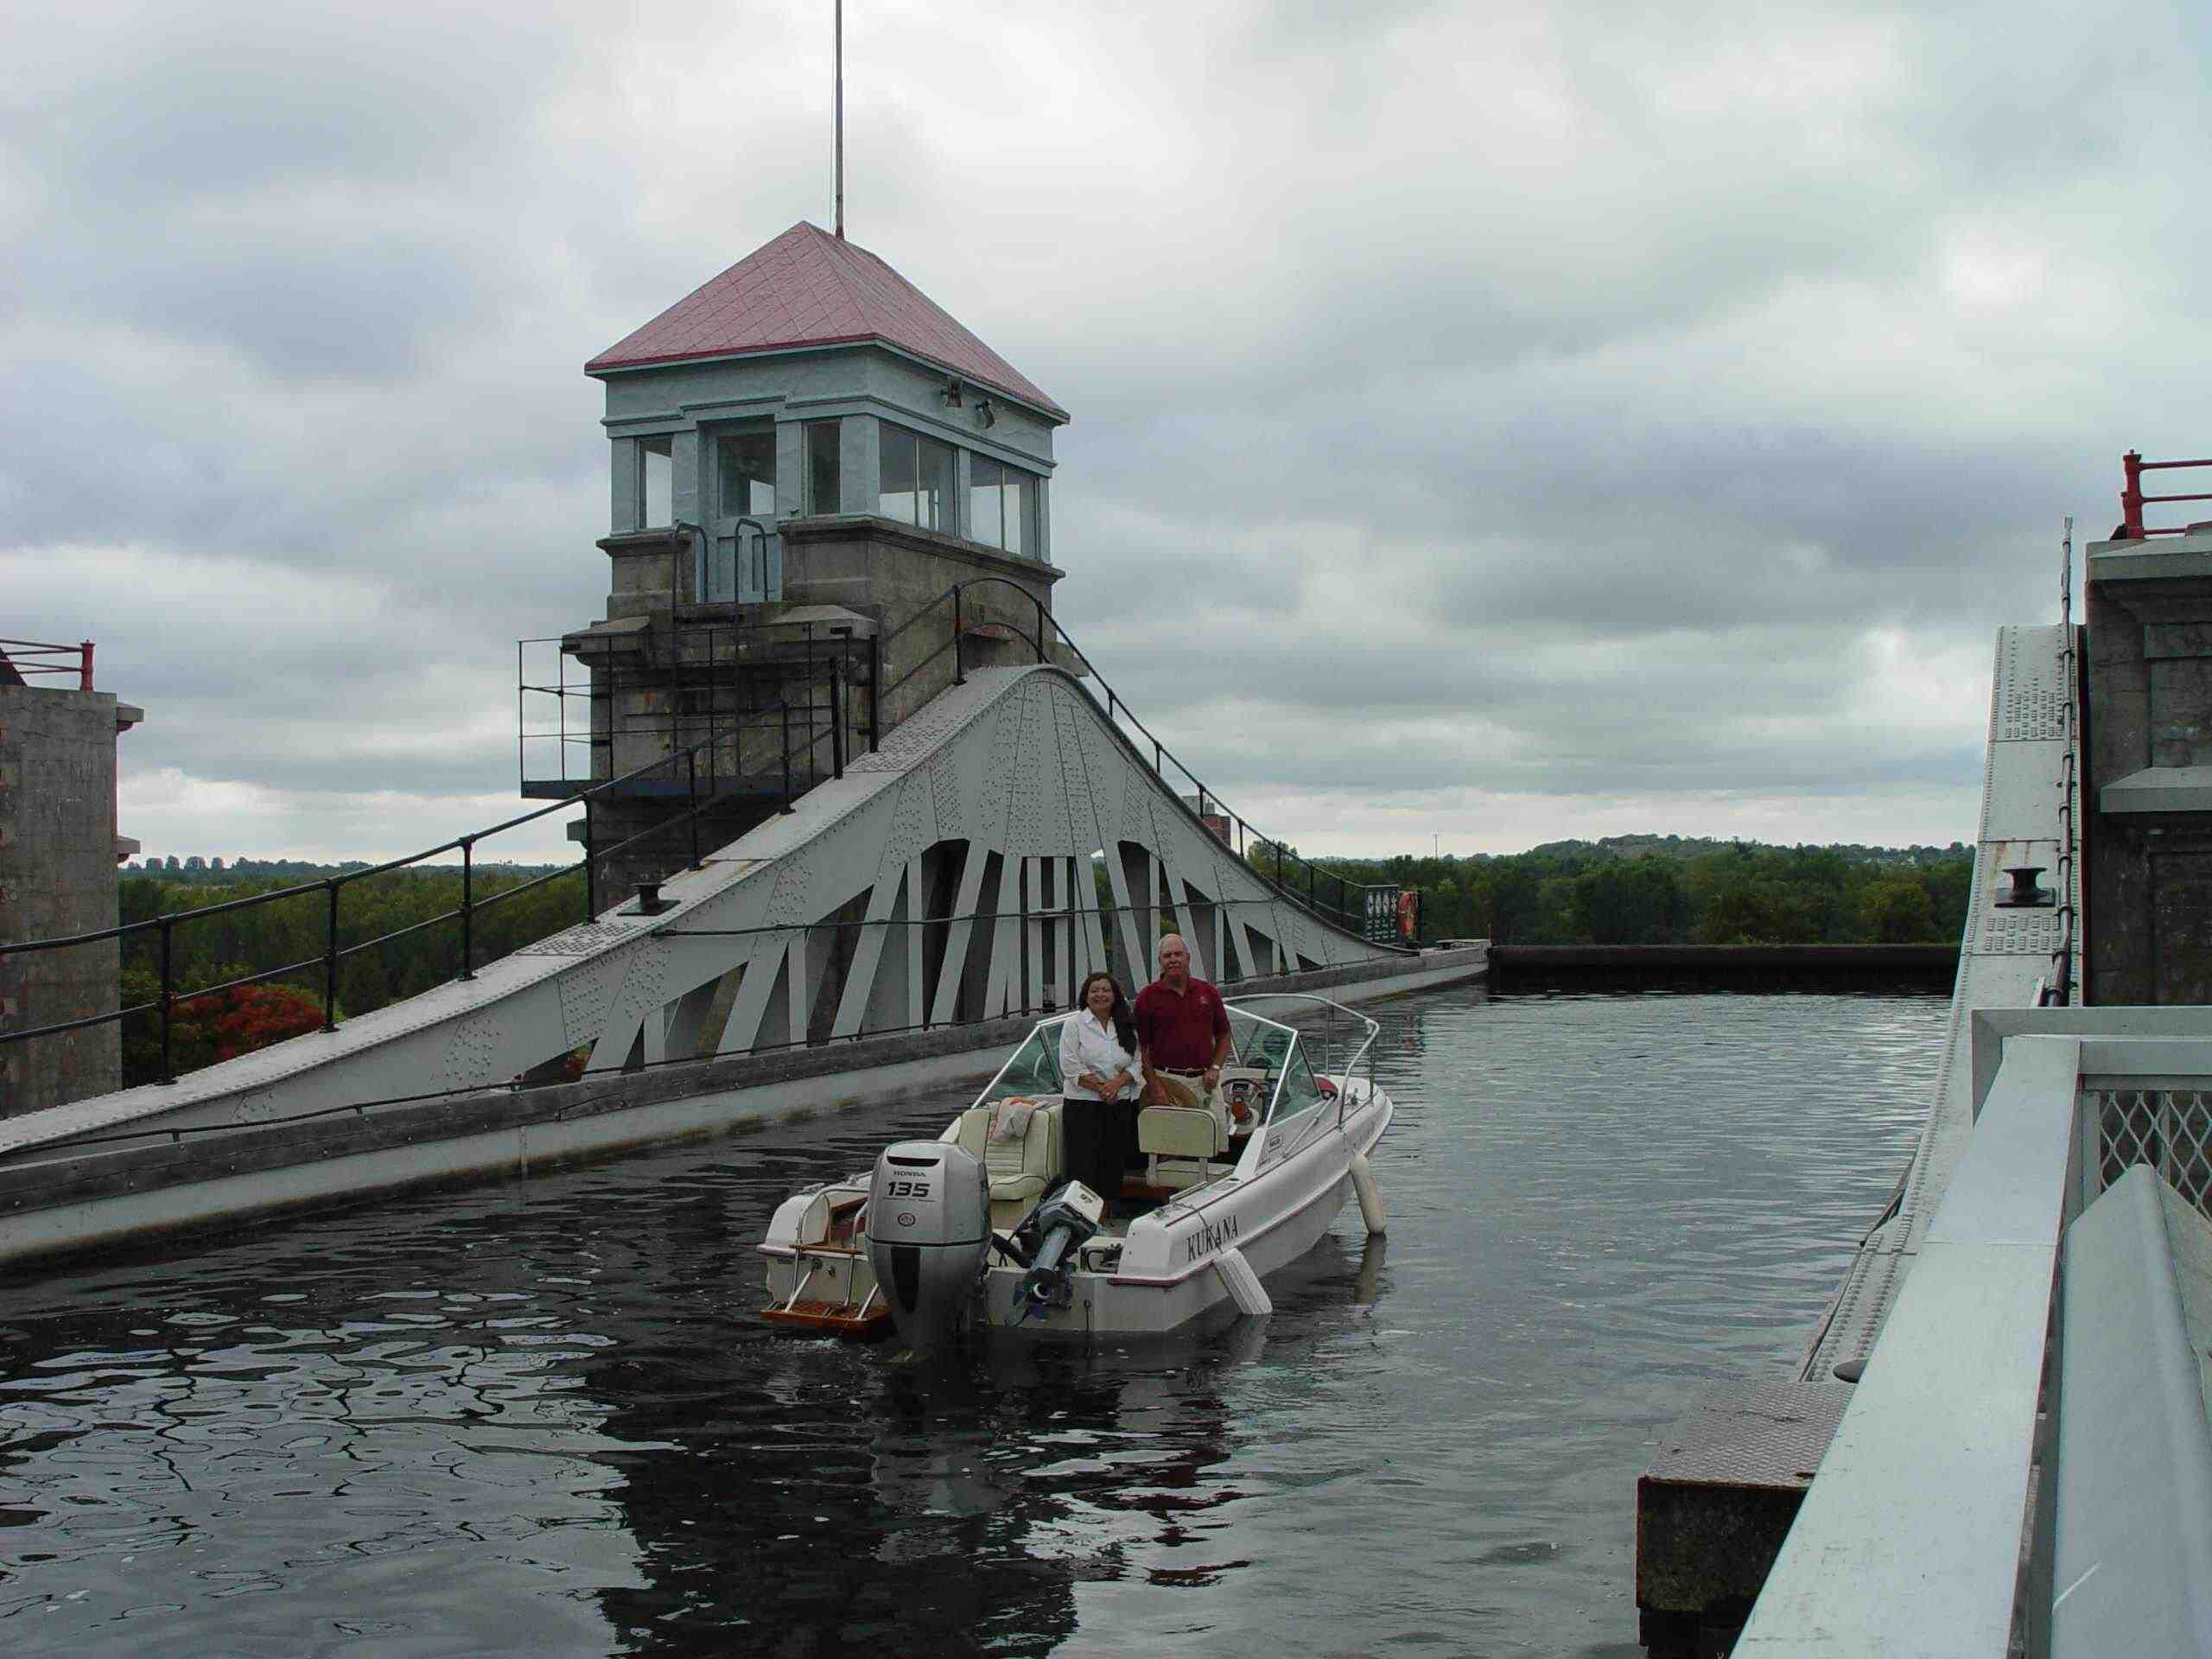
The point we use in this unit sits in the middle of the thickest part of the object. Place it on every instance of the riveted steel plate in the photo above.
(2020, 800)
(1019, 748)
(2028, 698)
(2017, 933)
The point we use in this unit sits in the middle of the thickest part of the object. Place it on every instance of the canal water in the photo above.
(538, 1419)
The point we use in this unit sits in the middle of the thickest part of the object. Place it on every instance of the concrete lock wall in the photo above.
(57, 878)
(2148, 771)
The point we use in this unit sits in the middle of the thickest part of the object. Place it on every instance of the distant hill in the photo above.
(1698, 846)
(1680, 890)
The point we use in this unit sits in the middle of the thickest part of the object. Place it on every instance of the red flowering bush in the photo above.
(254, 1016)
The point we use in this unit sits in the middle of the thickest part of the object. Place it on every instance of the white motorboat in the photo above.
(981, 1227)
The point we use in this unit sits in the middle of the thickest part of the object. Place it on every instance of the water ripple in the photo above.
(540, 1418)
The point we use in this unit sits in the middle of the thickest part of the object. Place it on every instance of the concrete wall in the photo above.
(2147, 794)
(664, 645)
(57, 878)
(889, 572)
(882, 569)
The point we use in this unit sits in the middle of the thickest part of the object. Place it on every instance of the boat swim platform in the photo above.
(1728, 1478)
(970, 829)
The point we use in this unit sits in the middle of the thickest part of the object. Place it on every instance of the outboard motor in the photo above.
(1046, 1243)
(929, 1224)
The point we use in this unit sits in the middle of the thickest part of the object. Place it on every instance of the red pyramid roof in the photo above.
(807, 287)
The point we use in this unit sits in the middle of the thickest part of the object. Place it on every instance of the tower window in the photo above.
(1002, 506)
(916, 486)
(746, 461)
(656, 482)
(825, 468)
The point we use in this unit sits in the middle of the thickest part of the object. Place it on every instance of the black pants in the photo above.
(1098, 1140)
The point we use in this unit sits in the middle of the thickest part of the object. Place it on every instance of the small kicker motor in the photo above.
(929, 1227)
(1046, 1243)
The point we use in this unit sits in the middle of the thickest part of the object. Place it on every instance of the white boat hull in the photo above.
(1206, 1248)
(1271, 1221)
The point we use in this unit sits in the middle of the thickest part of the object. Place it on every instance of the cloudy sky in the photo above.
(1567, 420)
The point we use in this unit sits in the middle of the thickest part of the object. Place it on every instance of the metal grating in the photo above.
(2019, 933)
(2170, 1129)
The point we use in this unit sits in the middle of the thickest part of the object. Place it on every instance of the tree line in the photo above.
(1639, 891)
(293, 933)
(1635, 890)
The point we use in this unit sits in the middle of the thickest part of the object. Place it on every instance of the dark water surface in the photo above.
(538, 1419)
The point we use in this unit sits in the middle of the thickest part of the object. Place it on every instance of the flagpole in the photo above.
(838, 75)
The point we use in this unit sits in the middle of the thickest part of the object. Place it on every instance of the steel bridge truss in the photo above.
(1001, 844)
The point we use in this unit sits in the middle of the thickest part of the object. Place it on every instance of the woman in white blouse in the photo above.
(1100, 1082)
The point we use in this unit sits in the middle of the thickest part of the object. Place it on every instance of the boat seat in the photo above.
(832, 1219)
(1018, 1170)
(1183, 1131)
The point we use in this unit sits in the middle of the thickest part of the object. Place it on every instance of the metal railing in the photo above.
(713, 571)
(2132, 500)
(1348, 906)
(336, 951)
(704, 685)
(21, 661)
(1324, 892)
(2167, 1130)
(1929, 1527)
(703, 785)
(1047, 964)
(2058, 988)
(1341, 1055)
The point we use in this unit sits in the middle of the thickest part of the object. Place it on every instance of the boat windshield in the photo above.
(1033, 1070)
(1264, 1045)
(1258, 1042)
(1297, 1089)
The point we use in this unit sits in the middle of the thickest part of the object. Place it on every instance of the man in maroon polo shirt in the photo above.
(1182, 1032)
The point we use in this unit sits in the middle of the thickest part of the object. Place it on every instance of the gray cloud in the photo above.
(1564, 418)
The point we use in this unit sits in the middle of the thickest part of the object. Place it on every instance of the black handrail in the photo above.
(677, 724)
(1341, 912)
(1028, 1010)
(332, 886)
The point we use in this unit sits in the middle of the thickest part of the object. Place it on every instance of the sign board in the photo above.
(1381, 919)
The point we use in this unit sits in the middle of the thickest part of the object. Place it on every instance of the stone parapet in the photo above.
(670, 671)
(58, 851)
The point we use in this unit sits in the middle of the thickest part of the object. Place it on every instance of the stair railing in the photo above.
(1345, 911)
(1250, 843)
(327, 963)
